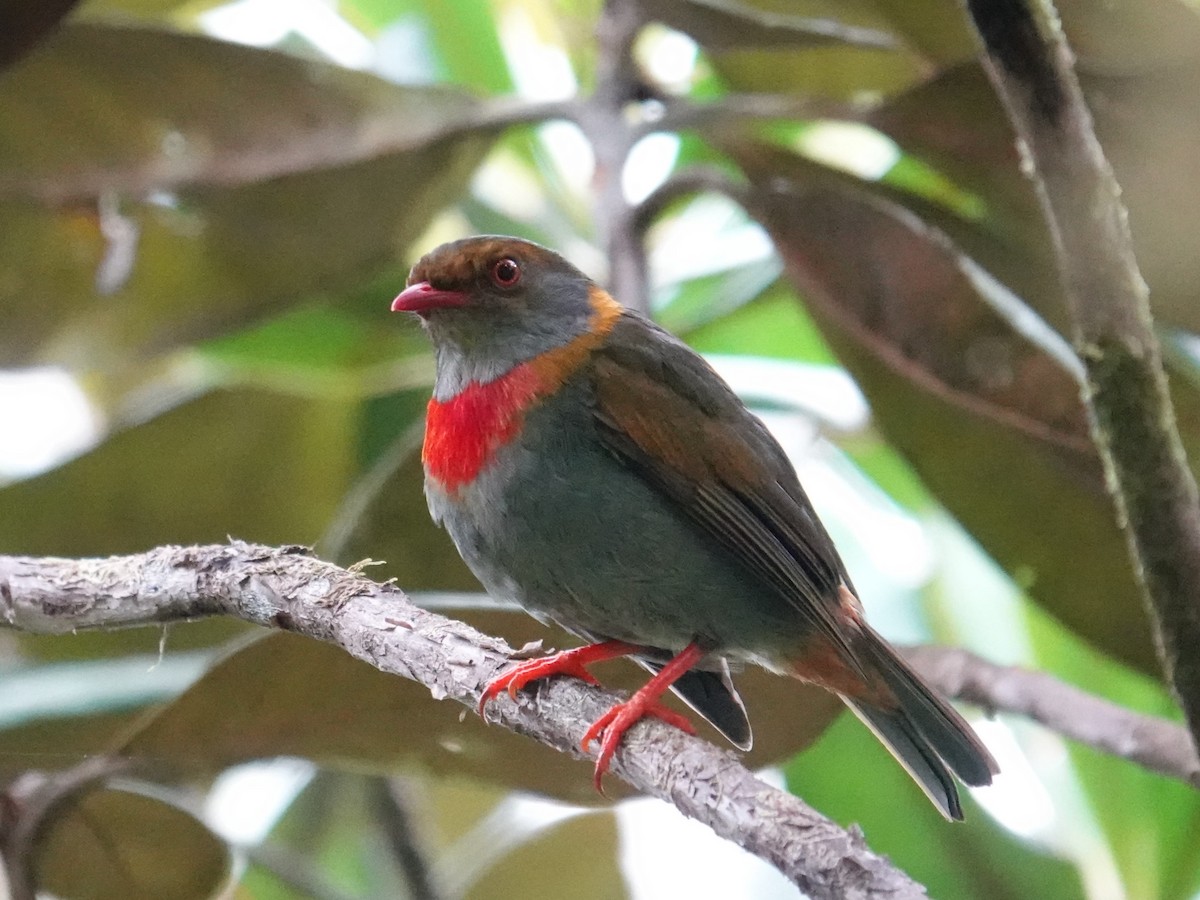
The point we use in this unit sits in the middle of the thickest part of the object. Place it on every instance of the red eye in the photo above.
(506, 272)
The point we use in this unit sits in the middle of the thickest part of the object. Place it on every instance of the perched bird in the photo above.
(595, 470)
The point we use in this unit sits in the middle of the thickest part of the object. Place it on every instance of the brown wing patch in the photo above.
(704, 462)
(824, 663)
(667, 427)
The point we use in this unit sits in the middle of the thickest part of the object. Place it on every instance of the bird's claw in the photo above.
(564, 663)
(619, 719)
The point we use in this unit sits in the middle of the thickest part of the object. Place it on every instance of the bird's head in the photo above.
(492, 302)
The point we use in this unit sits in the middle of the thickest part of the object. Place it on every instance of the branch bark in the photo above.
(1133, 424)
(288, 588)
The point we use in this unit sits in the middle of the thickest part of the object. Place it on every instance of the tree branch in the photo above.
(1155, 744)
(618, 83)
(1133, 423)
(288, 588)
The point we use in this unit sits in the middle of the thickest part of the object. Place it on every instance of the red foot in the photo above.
(614, 723)
(568, 662)
(620, 719)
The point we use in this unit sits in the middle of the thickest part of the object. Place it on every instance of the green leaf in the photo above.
(145, 210)
(725, 24)
(463, 37)
(76, 689)
(300, 697)
(331, 837)
(320, 351)
(1130, 38)
(52, 743)
(262, 466)
(142, 9)
(938, 28)
(551, 864)
(25, 22)
(967, 400)
(697, 302)
(1150, 821)
(385, 516)
(258, 465)
(849, 776)
(1146, 122)
(773, 325)
(842, 70)
(116, 843)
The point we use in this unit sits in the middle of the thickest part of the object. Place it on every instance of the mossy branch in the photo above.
(1133, 423)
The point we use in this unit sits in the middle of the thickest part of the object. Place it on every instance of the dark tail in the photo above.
(923, 732)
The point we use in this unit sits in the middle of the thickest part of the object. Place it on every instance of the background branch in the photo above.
(1133, 423)
(287, 588)
(618, 84)
(1153, 743)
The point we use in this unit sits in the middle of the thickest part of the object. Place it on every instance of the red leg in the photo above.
(568, 662)
(621, 717)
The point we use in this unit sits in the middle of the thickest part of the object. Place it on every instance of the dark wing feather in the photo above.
(667, 415)
(670, 417)
(712, 695)
(710, 692)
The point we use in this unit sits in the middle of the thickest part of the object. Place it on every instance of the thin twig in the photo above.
(1133, 423)
(393, 810)
(287, 588)
(694, 180)
(315, 150)
(618, 84)
(723, 113)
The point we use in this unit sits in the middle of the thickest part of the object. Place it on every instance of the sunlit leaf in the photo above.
(773, 325)
(725, 24)
(844, 71)
(849, 776)
(1150, 820)
(331, 837)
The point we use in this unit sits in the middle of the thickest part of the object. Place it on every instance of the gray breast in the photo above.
(559, 525)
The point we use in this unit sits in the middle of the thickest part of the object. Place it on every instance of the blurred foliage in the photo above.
(118, 843)
(204, 236)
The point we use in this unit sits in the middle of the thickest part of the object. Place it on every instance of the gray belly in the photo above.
(559, 525)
